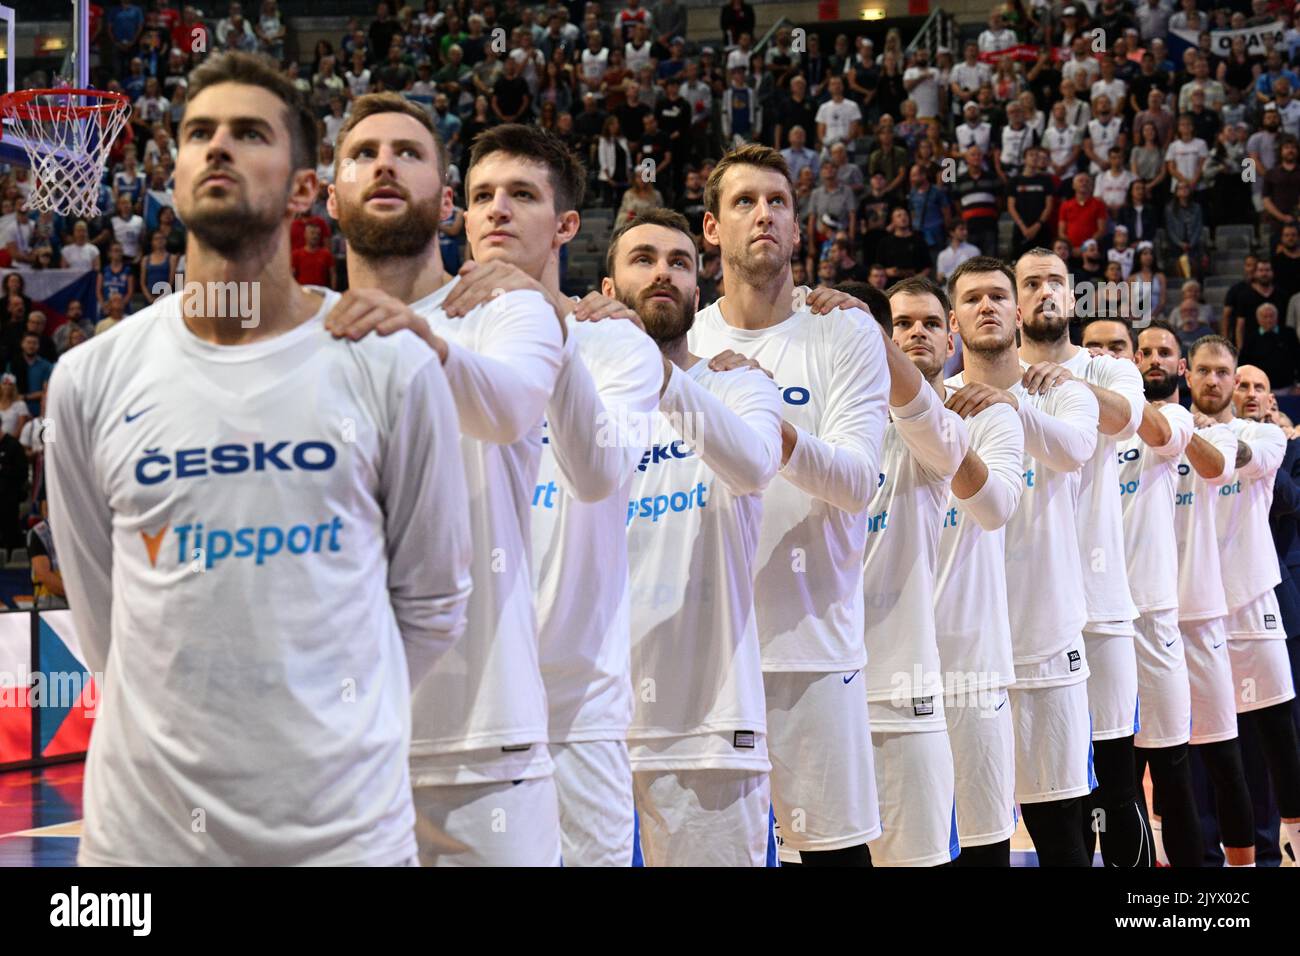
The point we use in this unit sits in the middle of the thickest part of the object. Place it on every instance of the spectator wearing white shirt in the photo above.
(922, 84)
(837, 116)
(128, 229)
(636, 52)
(997, 37)
(739, 56)
(80, 253)
(967, 77)
(1082, 67)
(1113, 183)
(955, 253)
(1061, 140)
(974, 131)
(1186, 156)
(1153, 18)
(1109, 85)
(152, 107)
(1105, 130)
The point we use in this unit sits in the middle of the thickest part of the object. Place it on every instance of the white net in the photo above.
(67, 135)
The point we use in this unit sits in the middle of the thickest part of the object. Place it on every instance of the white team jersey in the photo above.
(924, 445)
(249, 534)
(502, 362)
(971, 622)
(1101, 532)
(1249, 560)
(1148, 483)
(835, 390)
(1044, 601)
(693, 525)
(595, 435)
(1200, 579)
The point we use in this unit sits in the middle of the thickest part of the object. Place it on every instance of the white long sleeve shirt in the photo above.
(487, 694)
(1249, 560)
(835, 389)
(1101, 533)
(1200, 577)
(597, 424)
(1148, 482)
(693, 527)
(972, 625)
(249, 536)
(1045, 603)
(924, 445)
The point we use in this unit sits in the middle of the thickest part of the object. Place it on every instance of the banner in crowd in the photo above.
(52, 289)
(154, 201)
(1221, 40)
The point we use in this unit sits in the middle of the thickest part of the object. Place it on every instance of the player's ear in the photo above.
(567, 227)
(331, 202)
(445, 207)
(710, 229)
(952, 346)
(1182, 368)
(303, 189)
(607, 287)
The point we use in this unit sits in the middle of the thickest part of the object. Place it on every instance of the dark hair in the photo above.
(1119, 319)
(922, 285)
(1211, 340)
(978, 265)
(874, 299)
(532, 143)
(1163, 326)
(254, 69)
(668, 218)
(751, 154)
(372, 104)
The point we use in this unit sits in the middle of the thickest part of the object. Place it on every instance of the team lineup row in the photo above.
(553, 646)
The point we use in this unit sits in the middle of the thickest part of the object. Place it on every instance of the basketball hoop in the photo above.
(67, 135)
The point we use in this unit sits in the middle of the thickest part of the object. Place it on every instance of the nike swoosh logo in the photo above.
(129, 418)
(1003, 704)
(850, 677)
(1171, 643)
(1219, 645)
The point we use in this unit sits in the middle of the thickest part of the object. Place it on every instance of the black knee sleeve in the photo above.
(1056, 829)
(1277, 738)
(991, 854)
(1171, 777)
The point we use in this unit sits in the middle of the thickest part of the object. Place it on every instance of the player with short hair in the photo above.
(829, 365)
(972, 627)
(1148, 479)
(1261, 669)
(262, 530)
(698, 740)
(1047, 610)
(606, 392)
(479, 755)
(1047, 305)
(923, 448)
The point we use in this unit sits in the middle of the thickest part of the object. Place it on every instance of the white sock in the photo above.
(1157, 837)
(1291, 834)
(1237, 865)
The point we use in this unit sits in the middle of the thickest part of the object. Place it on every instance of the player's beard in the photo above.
(1208, 406)
(1159, 389)
(1041, 327)
(391, 237)
(664, 322)
(227, 231)
(756, 272)
(991, 347)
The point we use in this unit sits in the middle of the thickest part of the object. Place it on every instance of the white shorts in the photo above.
(703, 817)
(1261, 673)
(1112, 685)
(1053, 742)
(819, 742)
(488, 824)
(1261, 618)
(1209, 678)
(593, 780)
(1163, 685)
(914, 776)
(983, 759)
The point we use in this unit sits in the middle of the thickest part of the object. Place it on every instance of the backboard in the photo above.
(50, 37)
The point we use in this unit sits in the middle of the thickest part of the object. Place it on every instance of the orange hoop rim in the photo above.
(19, 104)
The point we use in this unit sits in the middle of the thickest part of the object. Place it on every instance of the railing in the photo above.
(771, 32)
(939, 29)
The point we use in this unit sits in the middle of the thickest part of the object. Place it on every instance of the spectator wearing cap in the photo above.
(1120, 251)
(1273, 348)
(1092, 265)
(673, 67)
(998, 36)
(974, 131)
